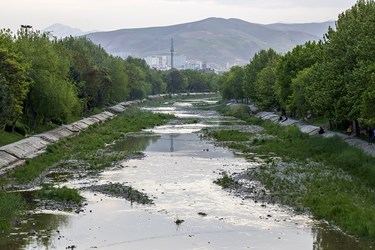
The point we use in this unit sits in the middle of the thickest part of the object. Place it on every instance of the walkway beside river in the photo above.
(313, 130)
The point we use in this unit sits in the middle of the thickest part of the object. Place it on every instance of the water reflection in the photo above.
(37, 231)
(134, 143)
(329, 238)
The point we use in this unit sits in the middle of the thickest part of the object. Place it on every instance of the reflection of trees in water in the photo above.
(134, 143)
(44, 225)
(328, 238)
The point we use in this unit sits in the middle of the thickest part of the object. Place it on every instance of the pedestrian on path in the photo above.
(370, 134)
(321, 131)
(349, 130)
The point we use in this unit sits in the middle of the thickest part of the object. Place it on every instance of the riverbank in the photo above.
(75, 156)
(20, 149)
(324, 177)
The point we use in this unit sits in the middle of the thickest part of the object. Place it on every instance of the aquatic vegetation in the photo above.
(58, 194)
(226, 181)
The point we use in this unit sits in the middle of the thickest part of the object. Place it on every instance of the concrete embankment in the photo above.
(313, 130)
(15, 154)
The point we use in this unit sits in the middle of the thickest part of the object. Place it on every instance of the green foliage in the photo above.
(300, 94)
(10, 206)
(58, 194)
(230, 135)
(52, 96)
(226, 181)
(176, 82)
(231, 86)
(265, 88)
(301, 57)
(14, 81)
(347, 67)
(7, 137)
(260, 61)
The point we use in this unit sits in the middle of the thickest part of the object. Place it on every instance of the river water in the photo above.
(177, 171)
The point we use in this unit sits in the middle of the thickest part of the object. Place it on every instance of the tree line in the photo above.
(47, 80)
(333, 78)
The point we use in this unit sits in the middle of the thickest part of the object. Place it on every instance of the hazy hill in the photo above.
(316, 29)
(59, 30)
(214, 40)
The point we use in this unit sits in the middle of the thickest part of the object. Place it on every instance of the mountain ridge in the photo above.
(213, 40)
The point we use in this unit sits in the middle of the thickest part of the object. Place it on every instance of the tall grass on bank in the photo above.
(324, 176)
(58, 194)
(86, 145)
(10, 206)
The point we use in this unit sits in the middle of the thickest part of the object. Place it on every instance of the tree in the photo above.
(299, 100)
(301, 57)
(260, 61)
(52, 95)
(120, 89)
(347, 67)
(265, 87)
(232, 83)
(176, 82)
(14, 81)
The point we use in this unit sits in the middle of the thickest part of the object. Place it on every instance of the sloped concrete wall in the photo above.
(34, 145)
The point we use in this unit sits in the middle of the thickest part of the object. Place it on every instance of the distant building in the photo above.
(179, 62)
(196, 65)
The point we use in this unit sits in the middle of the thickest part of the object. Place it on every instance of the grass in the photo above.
(226, 181)
(7, 138)
(86, 147)
(11, 204)
(322, 176)
(230, 135)
(58, 194)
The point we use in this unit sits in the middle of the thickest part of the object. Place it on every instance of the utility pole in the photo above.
(172, 51)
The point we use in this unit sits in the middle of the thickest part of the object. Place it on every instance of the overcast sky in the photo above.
(117, 14)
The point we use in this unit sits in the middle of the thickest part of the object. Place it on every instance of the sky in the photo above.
(105, 15)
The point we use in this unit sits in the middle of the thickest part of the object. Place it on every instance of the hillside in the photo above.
(214, 40)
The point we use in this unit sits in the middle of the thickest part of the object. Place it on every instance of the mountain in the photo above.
(316, 29)
(212, 40)
(60, 31)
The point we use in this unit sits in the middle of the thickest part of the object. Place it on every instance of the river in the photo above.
(177, 172)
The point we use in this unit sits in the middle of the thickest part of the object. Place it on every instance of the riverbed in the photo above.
(189, 210)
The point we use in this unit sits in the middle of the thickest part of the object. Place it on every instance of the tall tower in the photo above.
(172, 51)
